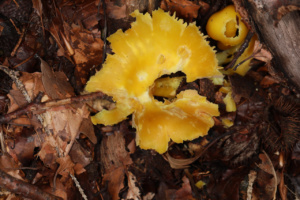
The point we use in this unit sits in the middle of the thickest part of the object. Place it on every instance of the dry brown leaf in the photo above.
(38, 6)
(79, 169)
(267, 81)
(33, 85)
(269, 181)
(65, 166)
(261, 53)
(60, 189)
(115, 11)
(55, 27)
(87, 48)
(48, 153)
(185, 192)
(133, 190)
(87, 129)
(115, 181)
(22, 148)
(65, 124)
(8, 165)
(113, 152)
(85, 12)
(79, 155)
(184, 9)
(114, 158)
(55, 83)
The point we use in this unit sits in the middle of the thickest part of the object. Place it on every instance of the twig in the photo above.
(79, 187)
(16, 3)
(240, 51)
(104, 31)
(2, 141)
(24, 189)
(179, 162)
(252, 176)
(41, 107)
(24, 61)
(14, 76)
(19, 42)
(17, 29)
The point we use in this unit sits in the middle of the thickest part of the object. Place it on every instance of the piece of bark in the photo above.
(280, 37)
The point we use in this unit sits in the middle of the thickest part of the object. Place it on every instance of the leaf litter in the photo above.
(57, 56)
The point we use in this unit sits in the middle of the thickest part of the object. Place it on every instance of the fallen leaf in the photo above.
(55, 83)
(38, 6)
(133, 190)
(115, 11)
(87, 48)
(260, 53)
(80, 155)
(184, 9)
(185, 192)
(8, 165)
(115, 181)
(114, 159)
(86, 128)
(65, 166)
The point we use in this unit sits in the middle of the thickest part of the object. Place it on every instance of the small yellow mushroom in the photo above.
(228, 100)
(226, 27)
(243, 61)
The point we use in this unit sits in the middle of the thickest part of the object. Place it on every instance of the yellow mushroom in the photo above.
(152, 47)
(226, 27)
(243, 61)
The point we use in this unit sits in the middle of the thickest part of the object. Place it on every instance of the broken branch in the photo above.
(41, 107)
(240, 51)
(24, 189)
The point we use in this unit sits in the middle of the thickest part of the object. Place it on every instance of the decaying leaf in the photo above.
(133, 191)
(87, 51)
(115, 158)
(55, 83)
(80, 45)
(184, 9)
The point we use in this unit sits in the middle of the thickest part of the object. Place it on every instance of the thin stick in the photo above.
(16, 3)
(23, 188)
(17, 29)
(23, 62)
(42, 107)
(2, 141)
(251, 176)
(104, 35)
(13, 53)
(240, 51)
(79, 187)
(14, 76)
